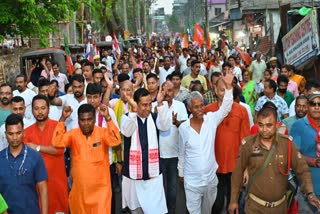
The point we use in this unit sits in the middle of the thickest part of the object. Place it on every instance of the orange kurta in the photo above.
(229, 134)
(91, 188)
(57, 178)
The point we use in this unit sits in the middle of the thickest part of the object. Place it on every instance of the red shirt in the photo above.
(57, 178)
(229, 134)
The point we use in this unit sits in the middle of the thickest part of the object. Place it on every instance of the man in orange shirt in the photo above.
(39, 137)
(91, 188)
(229, 134)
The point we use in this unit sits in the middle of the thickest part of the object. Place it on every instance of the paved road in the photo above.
(180, 209)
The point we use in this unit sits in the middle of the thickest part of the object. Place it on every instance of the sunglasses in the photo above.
(313, 103)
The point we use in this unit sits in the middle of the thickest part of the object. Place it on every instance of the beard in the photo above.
(41, 118)
(5, 101)
(78, 94)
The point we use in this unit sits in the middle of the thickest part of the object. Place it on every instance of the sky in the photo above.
(167, 4)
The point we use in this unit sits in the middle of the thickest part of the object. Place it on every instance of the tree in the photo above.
(34, 18)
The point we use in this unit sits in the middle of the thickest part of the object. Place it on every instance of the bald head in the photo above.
(126, 83)
(220, 89)
(167, 84)
(126, 90)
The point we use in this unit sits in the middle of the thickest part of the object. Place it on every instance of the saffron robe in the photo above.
(91, 189)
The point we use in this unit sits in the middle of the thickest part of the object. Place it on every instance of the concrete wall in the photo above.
(276, 23)
(211, 10)
(10, 60)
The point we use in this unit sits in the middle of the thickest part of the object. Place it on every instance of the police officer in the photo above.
(267, 189)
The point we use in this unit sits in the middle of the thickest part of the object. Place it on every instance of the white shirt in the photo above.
(70, 100)
(237, 73)
(108, 61)
(55, 112)
(27, 95)
(163, 73)
(105, 125)
(3, 139)
(169, 140)
(62, 80)
(183, 62)
(197, 161)
(203, 69)
(249, 113)
(292, 110)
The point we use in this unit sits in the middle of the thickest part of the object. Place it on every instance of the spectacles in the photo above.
(313, 103)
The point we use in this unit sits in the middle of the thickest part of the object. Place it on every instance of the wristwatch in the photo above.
(38, 148)
(310, 195)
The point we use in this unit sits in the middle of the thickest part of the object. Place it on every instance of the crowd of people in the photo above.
(145, 120)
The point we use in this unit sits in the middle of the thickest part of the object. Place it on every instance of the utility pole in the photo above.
(145, 15)
(206, 13)
(124, 2)
(138, 20)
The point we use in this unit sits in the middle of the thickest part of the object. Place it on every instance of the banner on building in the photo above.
(302, 41)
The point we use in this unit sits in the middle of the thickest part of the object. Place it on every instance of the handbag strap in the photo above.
(260, 170)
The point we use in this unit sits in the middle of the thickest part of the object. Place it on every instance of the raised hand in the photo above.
(134, 105)
(104, 111)
(66, 112)
(52, 90)
(109, 82)
(161, 94)
(174, 118)
(228, 78)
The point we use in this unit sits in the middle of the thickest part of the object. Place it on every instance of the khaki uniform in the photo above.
(270, 185)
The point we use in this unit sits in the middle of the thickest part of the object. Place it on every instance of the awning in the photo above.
(221, 23)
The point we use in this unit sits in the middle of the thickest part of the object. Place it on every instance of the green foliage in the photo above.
(34, 18)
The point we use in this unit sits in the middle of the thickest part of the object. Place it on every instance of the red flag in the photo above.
(208, 43)
(115, 46)
(95, 48)
(116, 43)
(198, 35)
(184, 41)
(244, 55)
(69, 64)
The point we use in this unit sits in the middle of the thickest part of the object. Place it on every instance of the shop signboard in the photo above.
(302, 41)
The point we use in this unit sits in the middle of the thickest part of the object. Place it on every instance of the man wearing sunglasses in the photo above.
(306, 135)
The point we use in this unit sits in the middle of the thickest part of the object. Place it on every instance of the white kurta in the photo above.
(147, 194)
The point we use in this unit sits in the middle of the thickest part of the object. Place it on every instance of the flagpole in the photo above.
(206, 13)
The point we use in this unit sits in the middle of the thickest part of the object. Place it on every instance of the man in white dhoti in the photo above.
(197, 163)
(142, 185)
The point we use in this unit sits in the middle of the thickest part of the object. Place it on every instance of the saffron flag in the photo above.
(198, 35)
(184, 41)
(244, 56)
(172, 42)
(149, 43)
(69, 63)
(207, 37)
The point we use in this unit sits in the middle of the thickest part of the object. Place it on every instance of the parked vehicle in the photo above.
(35, 57)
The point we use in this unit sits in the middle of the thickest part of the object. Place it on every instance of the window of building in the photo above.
(217, 11)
